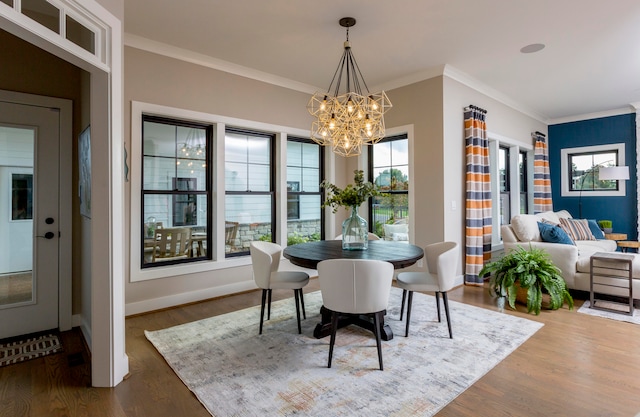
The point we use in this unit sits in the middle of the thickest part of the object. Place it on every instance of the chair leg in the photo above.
(406, 334)
(297, 297)
(438, 305)
(446, 310)
(376, 331)
(404, 296)
(264, 300)
(334, 328)
(269, 308)
(304, 313)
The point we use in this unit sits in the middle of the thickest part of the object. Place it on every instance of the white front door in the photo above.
(29, 218)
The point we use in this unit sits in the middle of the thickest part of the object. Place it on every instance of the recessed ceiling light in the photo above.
(534, 47)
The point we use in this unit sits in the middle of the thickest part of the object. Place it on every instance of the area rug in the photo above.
(586, 309)
(30, 347)
(234, 371)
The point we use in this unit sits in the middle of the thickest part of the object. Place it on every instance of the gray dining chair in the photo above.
(442, 262)
(355, 287)
(265, 259)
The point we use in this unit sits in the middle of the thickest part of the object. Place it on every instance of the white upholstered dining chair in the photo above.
(442, 263)
(265, 259)
(356, 287)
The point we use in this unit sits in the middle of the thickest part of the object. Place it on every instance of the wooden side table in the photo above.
(615, 236)
(625, 245)
(613, 271)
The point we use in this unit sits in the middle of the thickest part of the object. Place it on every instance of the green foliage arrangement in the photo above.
(353, 195)
(605, 224)
(532, 270)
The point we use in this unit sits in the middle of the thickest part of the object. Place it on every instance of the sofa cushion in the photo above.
(595, 229)
(525, 226)
(577, 229)
(396, 231)
(554, 234)
(549, 216)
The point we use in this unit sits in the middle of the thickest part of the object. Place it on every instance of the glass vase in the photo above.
(355, 232)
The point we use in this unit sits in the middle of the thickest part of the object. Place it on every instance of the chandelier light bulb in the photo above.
(348, 119)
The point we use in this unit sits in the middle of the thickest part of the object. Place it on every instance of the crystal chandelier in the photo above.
(347, 121)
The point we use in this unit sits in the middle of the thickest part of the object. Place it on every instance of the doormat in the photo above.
(28, 347)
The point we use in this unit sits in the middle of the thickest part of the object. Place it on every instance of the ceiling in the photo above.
(591, 62)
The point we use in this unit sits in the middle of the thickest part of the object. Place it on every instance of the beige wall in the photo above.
(420, 104)
(434, 108)
(501, 120)
(155, 79)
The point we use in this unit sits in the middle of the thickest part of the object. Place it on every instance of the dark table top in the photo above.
(307, 255)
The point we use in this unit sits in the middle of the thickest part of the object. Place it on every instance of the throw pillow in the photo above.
(595, 229)
(577, 229)
(524, 226)
(554, 234)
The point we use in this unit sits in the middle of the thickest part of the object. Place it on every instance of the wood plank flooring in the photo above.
(576, 365)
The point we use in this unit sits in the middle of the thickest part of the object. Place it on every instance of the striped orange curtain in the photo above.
(478, 198)
(541, 176)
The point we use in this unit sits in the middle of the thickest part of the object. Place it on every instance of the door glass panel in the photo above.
(16, 216)
(80, 35)
(42, 12)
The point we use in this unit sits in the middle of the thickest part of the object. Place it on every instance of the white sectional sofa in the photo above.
(573, 260)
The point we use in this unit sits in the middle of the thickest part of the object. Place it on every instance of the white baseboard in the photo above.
(186, 297)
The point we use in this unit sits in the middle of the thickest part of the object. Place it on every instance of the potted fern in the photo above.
(529, 272)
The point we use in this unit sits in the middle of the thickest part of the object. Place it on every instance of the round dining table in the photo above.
(308, 255)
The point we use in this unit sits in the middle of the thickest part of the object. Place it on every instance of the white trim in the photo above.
(589, 116)
(564, 169)
(138, 42)
(173, 300)
(636, 106)
(137, 273)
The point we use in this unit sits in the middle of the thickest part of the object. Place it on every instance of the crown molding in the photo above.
(596, 115)
(473, 83)
(138, 42)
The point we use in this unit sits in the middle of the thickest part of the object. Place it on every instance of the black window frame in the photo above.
(592, 171)
(524, 182)
(175, 193)
(402, 136)
(272, 180)
(320, 192)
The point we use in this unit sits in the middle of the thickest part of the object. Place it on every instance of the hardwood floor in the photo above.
(576, 365)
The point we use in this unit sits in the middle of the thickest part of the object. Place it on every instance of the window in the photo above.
(585, 170)
(21, 196)
(580, 169)
(249, 189)
(504, 184)
(511, 170)
(389, 170)
(176, 187)
(524, 186)
(304, 197)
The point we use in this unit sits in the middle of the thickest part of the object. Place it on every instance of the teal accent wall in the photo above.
(614, 129)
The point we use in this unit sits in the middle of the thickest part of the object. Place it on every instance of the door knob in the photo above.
(49, 220)
(49, 235)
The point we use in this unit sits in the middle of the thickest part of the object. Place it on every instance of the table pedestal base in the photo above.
(323, 328)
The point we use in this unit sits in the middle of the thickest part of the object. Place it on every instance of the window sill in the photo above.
(138, 274)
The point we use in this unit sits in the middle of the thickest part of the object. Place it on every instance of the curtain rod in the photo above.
(471, 106)
(540, 134)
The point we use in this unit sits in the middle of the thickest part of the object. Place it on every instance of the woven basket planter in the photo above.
(521, 297)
